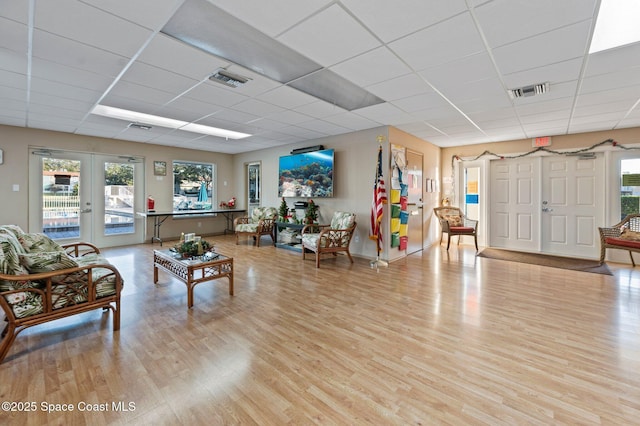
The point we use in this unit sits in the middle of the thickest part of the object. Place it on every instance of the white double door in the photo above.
(550, 204)
(87, 197)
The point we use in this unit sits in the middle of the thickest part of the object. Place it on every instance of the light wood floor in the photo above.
(438, 338)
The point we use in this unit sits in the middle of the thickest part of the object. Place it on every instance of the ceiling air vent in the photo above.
(228, 79)
(139, 126)
(524, 92)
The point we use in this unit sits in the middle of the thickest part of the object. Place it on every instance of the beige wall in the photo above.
(559, 143)
(16, 141)
(356, 155)
(355, 158)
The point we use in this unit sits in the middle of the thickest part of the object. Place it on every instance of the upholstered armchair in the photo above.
(332, 238)
(260, 223)
(454, 222)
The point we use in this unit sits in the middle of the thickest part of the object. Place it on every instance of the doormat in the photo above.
(584, 265)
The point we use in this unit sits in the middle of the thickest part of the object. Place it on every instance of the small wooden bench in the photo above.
(611, 237)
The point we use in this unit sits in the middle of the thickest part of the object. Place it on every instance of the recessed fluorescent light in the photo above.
(139, 119)
(616, 25)
(208, 130)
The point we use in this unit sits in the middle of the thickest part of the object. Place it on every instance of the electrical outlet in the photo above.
(199, 224)
(356, 239)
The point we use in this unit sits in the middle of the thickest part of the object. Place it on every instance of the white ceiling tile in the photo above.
(49, 87)
(372, 67)
(124, 89)
(554, 73)
(421, 102)
(256, 107)
(391, 20)
(150, 76)
(345, 39)
(149, 13)
(13, 35)
(289, 117)
(613, 80)
(13, 61)
(613, 60)
(184, 59)
(385, 114)
(288, 12)
(76, 55)
(286, 97)
(324, 127)
(400, 87)
(75, 20)
(551, 47)
(12, 79)
(465, 70)
(320, 109)
(216, 93)
(350, 120)
(444, 42)
(504, 22)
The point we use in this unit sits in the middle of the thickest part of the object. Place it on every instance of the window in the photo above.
(192, 186)
(630, 187)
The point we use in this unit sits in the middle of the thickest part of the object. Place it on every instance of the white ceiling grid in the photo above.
(442, 69)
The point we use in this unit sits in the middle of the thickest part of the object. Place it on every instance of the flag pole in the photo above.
(379, 198)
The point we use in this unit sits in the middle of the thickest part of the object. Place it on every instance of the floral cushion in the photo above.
(23, 303)
(247, 227)
(35, 242)
(46, 261)
(342, 220)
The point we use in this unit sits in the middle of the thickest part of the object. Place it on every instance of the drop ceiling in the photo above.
(442, 70)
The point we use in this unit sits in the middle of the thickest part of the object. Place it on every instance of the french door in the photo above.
(547, 204)
(86, 197)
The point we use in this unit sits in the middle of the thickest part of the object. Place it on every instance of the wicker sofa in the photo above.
(41, 281)
(624, 235)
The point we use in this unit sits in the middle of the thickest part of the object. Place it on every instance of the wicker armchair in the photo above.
(454, 222)
(260, 223)
(621, 236)
(332, 238)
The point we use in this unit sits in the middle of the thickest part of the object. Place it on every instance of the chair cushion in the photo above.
(462, 229)
(247, 227)
(342, 220)
(259, 213)
(37, 242)
(310, 240)
(622, 242)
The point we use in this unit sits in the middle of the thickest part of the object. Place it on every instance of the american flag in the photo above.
(379, 198)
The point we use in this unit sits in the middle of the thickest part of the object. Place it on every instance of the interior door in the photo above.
(85, 197)
(572, 200)
(414, 202)
(514, 207)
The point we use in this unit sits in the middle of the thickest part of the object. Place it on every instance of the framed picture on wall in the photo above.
(160, 168)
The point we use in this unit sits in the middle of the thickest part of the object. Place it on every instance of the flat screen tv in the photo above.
(308, 174)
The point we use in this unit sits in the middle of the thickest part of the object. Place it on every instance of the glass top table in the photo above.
(193, 271)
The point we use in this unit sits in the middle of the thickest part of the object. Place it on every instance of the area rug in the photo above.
(584, 265)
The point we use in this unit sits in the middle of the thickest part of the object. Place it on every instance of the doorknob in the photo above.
(85, 211)
(547, 209)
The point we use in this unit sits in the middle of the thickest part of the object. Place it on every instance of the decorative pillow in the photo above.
(36, 242)
(627, 234)
(454, 220)
(47, 261)
(342, 220)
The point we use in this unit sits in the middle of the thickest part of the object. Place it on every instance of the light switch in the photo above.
(16, 187)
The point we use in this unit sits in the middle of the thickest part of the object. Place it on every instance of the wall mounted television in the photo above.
(308, 175)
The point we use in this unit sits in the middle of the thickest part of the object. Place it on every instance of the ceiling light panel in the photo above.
(200, 24)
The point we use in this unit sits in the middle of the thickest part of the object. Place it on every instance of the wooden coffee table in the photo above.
(193, 271)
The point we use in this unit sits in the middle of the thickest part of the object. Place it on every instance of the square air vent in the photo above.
(526, 91)
(228, 79)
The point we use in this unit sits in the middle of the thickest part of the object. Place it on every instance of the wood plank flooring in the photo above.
(437, 338)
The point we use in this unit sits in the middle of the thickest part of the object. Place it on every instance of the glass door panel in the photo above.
(119, 198)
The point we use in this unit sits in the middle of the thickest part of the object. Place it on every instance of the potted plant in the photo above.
(283, 211)
(193, 248)
(311, 212)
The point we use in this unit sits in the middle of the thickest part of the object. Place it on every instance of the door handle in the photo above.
(85, 211)
(546, 209)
